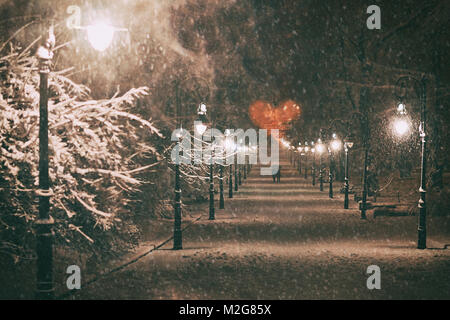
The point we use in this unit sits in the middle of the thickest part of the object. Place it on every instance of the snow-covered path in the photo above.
(287, 241)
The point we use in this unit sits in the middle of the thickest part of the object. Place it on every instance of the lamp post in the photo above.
(313, 169)
(229, 147)
(202, 129)
(230, 182)
(330, 173)
(300, 150)
(348, 144)
(251, 150)
(221, 199)
(236, 180)
(245, 163)
(306, 148)
(211, 188)
(335, 146)
(363, 205)
(320, 149)
(240, 174)
(420, 89)
(44, 224)
(291, 157)
(177, 236)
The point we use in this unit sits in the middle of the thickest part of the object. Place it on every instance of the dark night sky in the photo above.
(247, 50)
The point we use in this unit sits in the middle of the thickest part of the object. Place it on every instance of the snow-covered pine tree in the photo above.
(99, 154)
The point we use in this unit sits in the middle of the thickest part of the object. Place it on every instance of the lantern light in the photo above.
(401, 109)
(348, 143)
(100, 35)
(401, 127)
(336, 144)
(320, 148)
(199, 124)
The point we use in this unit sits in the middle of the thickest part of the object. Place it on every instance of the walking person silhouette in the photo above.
(276, 174)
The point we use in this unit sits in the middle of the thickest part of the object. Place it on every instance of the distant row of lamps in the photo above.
(401, 126)
(334, 145)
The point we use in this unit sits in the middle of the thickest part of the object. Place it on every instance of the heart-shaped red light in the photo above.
(265, 116)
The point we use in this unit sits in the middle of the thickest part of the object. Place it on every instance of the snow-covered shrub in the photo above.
(99, 156)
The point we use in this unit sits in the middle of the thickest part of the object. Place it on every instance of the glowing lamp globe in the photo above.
(401, 109)
(335, 145)
(320, 148)
(100, 35)
(401, 127)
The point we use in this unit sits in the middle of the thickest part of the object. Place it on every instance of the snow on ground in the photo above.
(286, 241)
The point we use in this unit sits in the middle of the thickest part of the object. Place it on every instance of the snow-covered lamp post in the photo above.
(421, 90)
(44, 248)
(100, 37)
(348, 144)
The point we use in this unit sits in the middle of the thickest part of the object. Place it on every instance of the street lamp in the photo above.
(100, 35)
(330, 174)
(211, 187)
(221, 197)
(201, 127)
(44, 224)
(420, 89)
(292, 155)
(306, 148)
(236, 179)
(348, 144)
(300, 150)
(245, 162)
(401, 127)
(313, 151)
(252, 150)
(335, 145)
(177, 236)
(230, 146)
(320, 149)
(401, 123)
(239, 150)
(200, 123)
